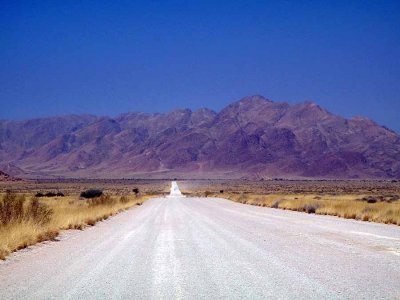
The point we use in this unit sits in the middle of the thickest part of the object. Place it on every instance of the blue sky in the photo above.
(108, 57)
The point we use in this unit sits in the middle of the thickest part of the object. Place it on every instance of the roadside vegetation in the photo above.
(382, 209)
(367, 200)
(27, 219)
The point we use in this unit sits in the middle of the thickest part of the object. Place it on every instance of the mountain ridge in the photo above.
(253, 137)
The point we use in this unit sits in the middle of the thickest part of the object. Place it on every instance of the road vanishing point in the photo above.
(210, 248)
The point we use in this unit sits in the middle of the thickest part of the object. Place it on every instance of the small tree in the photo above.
(136, 191)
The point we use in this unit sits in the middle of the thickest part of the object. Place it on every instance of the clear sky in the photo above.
(108, 57)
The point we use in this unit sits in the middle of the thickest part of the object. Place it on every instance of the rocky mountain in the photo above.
(251, 138)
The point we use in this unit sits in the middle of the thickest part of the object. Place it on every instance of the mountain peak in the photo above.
(311, 108)
(254, 100)
(247, 103)
(205, 112)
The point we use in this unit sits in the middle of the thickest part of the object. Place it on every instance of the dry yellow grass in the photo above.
(66, 213)
(346, 206)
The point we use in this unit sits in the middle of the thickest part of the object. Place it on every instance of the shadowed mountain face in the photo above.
(254, 138)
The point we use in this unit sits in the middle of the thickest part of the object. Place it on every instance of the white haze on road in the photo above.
(175, 192)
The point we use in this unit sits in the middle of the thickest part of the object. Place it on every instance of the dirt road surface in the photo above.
(208, 248)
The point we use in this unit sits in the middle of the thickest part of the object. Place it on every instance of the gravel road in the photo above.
(208, 248)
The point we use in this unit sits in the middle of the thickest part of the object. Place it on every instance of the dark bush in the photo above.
(221, 191)
(136, 191)
(310, 209)
(92, 193)
(369, 199)
(50, 194)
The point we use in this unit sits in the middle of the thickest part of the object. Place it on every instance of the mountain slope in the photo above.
(253, 137)
(5, 177)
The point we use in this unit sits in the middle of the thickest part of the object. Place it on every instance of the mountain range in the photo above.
(251, 138)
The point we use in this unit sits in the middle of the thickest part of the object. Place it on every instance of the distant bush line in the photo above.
(49, 194)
